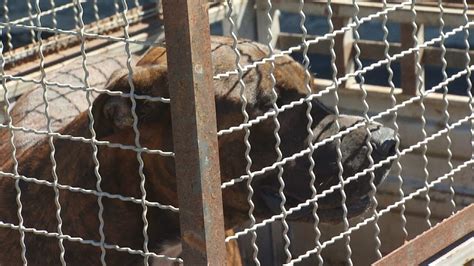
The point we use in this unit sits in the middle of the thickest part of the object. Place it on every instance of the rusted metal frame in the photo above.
(408, 63)
(194, 131)
(432, 241)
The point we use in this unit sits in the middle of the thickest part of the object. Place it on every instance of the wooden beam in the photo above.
(343, 48)
(412, 83)
(263, 25)
(428, 15)
(374, 50)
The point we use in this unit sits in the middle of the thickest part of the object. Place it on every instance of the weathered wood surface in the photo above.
(426, 14)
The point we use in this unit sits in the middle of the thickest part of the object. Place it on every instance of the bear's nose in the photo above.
(383, 142)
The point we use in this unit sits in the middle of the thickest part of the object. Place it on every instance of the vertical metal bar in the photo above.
(194, 131)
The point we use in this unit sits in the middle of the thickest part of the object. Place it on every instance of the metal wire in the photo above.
(468, 76)
(247, 131)
(369, 169)
(280, 161)
(340, 167)
(357, 125)
(307, 80)
(340, 80)
(7, 77)
(390, 207)
(75, 33)
(7, 29)
(446, 105)
(327, 36)
(30, 16)
(87, 140)
(276, 134)
(15, 161)
(368, 144)
(419, 89)
(136, 132)
(53, 16)
(87, 242)
(50, 138)
(54, 9)
(27, 23)
(96, 10)
(355, 177)
(393, 102)
(89, 191)
(35, 27)
(93, 133)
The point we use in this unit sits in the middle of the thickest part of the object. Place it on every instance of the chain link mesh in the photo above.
(123, 18)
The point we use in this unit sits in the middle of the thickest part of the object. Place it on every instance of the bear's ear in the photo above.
(113, 112)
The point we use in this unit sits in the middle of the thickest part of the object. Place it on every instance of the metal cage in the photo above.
(405, 65)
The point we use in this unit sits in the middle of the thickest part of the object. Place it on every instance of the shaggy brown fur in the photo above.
(119, 167)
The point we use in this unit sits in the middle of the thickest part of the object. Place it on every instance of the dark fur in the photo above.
(119, 168)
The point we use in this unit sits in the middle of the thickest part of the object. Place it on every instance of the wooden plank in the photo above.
(263, 23)
(343, 48)
(432, 241)
(239, 8)
(410, 76)
(374, 50)
(428, 15)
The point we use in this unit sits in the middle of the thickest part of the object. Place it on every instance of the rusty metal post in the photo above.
(194, 131)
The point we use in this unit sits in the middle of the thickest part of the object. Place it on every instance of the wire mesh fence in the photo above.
(344, 129)
(24, 138)
(349, 19)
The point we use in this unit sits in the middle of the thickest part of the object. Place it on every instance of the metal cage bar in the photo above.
(194, 131)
